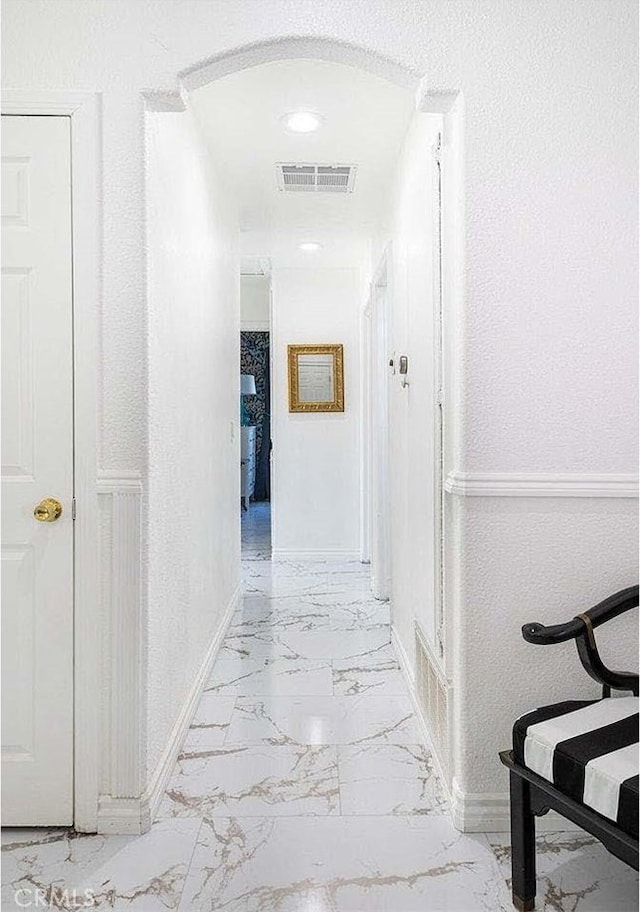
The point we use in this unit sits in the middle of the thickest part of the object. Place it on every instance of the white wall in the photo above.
(547, 338)
(255, 303)
(315, 458)
(412, 415)
(193, 477)
(509, 560)
(582, 550)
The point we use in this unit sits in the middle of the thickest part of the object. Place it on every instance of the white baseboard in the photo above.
(487, 812)
(409, 677)
(481, 812)
(403, 659)
(135, 815)
(162, 773)
(283, 554)
(123, 816)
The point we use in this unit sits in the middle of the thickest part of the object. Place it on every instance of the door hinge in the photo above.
(73, 508)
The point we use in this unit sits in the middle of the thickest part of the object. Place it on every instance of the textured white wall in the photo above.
(551, 120)
(255, 302)
(315, 464)
(533, 560)
(548, 336)
(193, 512)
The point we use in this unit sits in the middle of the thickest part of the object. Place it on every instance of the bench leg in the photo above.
(523, 845)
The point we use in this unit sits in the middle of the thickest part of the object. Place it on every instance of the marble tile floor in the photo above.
(302, 786)
(256, 531)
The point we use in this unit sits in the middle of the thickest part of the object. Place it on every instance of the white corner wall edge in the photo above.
(283, 554)
(133, 816)
(489, 813)
(489, 484)
(423, 731)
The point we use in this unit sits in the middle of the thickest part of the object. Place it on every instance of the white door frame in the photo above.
(379, 514)
(365, 433)
(84, 110)
(438, 386)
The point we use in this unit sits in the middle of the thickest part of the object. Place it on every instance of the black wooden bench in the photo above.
(579, 758)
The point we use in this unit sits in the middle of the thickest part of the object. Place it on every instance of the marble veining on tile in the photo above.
(302, 784)
(323, 720)
(382, 779)
(242, 780)
(575, 874)
(243, 676)
(341, 864)
(375, 673)
(143, 873)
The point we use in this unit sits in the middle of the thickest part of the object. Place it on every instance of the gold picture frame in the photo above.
(316, 378)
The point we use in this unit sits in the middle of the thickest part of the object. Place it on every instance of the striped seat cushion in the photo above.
(589, 750)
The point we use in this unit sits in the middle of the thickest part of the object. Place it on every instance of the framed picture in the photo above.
(316, 378)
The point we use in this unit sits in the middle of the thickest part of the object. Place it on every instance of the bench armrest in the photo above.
(580, 629)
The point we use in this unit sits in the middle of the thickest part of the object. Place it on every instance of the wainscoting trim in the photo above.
(470, 813)
(478, 484)
(134, 815)
(119, 497)
(162, 773)
(423, 731)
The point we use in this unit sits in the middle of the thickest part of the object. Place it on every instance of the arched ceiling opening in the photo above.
(364, 119)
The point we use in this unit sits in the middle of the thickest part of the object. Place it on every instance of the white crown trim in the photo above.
(490, 484)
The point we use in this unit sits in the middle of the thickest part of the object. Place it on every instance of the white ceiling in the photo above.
(365, 120)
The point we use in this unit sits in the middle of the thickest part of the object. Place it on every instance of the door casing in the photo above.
(84, 110)
(379, 516)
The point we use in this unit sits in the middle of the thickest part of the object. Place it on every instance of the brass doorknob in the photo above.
(48, 510)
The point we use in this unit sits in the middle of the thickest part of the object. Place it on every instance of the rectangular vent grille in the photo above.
(433, 694)
(316, 178)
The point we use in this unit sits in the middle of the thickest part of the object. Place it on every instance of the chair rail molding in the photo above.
(543, 484)
(119, 482)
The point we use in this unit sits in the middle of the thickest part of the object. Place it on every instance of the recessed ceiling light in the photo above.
(310, 246)
(302, 122)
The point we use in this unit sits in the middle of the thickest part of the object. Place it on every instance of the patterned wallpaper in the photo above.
(254, 359)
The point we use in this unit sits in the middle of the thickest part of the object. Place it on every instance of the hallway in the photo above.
(303, 785)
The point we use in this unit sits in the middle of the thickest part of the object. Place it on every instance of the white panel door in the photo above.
(37, 463)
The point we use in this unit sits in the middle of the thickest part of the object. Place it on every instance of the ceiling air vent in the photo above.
(316, 178)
